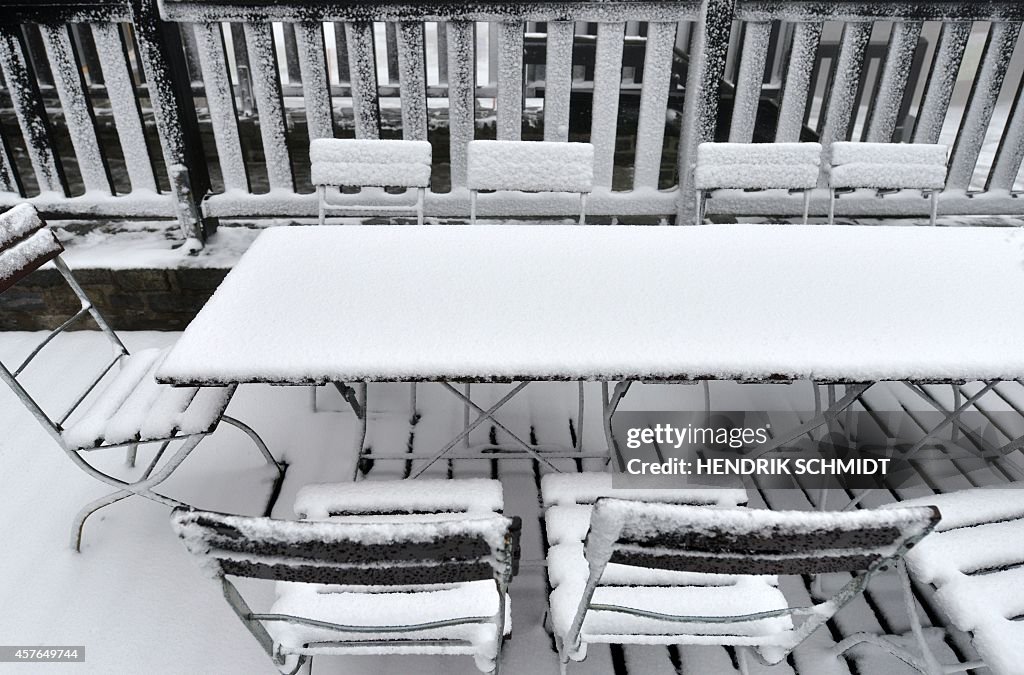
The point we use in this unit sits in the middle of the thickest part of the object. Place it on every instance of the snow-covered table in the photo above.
(855, 304)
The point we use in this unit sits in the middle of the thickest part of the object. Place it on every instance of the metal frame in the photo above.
(253, 621)
(323, 206)
(816, 616)
(702, 199)
(472, 206)
(516, 448)
(152, 476)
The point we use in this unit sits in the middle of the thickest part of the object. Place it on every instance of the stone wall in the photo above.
(130, 299)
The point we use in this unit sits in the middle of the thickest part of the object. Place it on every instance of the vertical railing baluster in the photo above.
(840, 106)
(163, 60)
(510, 80)
(605, 113)
(558, 80)
(28, 108)
(124, 101)
(1011, 147)
(309, 39)
(221, 101)
(941, 81)
(267, 88)
(797, 83)
(363, 75)
(78, 116)
(291, 53)
(391, 42)
(700, 108)
(650, 131)
(461, 96)
(988, 81)
(9, 180)
(756, 35)
(412, 79)
(884, 109)
(341, 52)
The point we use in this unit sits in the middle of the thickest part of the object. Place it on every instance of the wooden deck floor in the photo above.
(546, 415)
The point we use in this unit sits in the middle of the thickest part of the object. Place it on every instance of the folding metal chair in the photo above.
(123, 406)
(643, 562)
(384, 586)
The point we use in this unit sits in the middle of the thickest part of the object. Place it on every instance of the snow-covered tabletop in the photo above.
(523, 302)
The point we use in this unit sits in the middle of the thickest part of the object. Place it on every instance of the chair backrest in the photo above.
(888, 165)
(531, 166)
(751, 541)
(738, 541)
(793, 166)
(370, 162)
(351, 554)
(26, 243)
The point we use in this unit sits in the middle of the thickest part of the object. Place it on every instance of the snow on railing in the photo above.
(645, 81)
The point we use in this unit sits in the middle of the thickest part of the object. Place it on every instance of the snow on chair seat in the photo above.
(975, 560)
(725, 558)
(413, 497)
(756, 166)
(122, 407)
(530, 166)
(887, 166)
(134, 407)
(337, 162)
(425, 587)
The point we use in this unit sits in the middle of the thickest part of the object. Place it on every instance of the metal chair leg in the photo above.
(831, 206)
(807, 204)
(131, 455)
(935, 207)
(92, 507)
(472, 207)
(321, 193)
(264, 450)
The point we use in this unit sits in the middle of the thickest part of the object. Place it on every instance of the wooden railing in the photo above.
(203, 110)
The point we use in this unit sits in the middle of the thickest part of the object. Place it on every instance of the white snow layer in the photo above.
(370, 162)
(569, 489)
(133, 406)
(376, 303)
(384, 609)
(17, 223)
(41, 245)
(472, 495)
(888, 165)
(531, 166)
(976, 560)
(757, 165)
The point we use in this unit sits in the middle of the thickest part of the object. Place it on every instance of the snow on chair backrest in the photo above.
(756, 166)
(740, 541)
(26, 243)
(793, 166)
(888, 165)
(357, 554)
(479, 496)
(530, 166)
(370, 162)
(751, 541)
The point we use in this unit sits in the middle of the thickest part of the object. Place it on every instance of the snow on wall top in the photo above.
(888, 165)
(372, 162)
(531, 166)
(582, 302)
(757, 165)
(319, 501)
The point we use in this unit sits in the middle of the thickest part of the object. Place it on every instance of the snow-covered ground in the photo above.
(139, 603)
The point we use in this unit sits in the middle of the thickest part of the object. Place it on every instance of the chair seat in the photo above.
(390, 609)
(744, 595)
(976, 562)
(133, 406)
